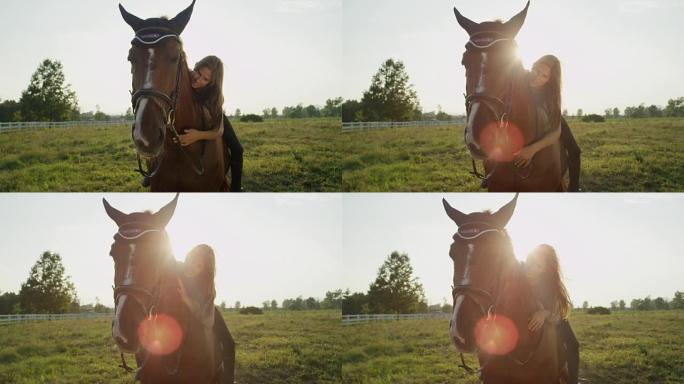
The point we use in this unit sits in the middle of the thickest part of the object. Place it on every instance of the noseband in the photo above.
(151, 37)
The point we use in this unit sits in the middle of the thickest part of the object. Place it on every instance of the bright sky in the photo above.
(268, 246)
(275, 52)
(614, 53)
(611, 246)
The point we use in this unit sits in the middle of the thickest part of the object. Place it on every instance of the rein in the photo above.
(172, 103)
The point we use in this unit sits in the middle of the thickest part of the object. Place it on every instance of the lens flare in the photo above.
(500, 144)
(496, 335)
(161, 335)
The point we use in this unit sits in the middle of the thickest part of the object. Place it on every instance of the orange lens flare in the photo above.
(496, 335)
(161, 335)
(500, 144)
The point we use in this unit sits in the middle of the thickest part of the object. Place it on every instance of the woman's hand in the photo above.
(537, 320)
(524, 156)
(190, 136)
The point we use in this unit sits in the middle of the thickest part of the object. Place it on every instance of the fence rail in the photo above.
(8, 319)
(22, 125)
(353, 126)
(356, 319)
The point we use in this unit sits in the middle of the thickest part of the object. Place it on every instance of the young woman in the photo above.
(207, 82)
(543, 271)
(545, 83)
(197, 290)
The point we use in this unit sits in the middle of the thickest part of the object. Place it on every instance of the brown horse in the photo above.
(164, 106)
(501, 117)
(169, 342)
(493, 302)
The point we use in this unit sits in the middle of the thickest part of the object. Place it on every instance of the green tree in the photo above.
(48, 97)
(660, 303)
(621, 304)
(9, 303)
(237, 305)
(395, 290)
(580, 113)
(355, 303)
(238, 113)
(585, 305)
(312, 111)
(265, 304)
(274, 112)
(333, 300)
(48, 289)
(675, 107)
(616, 112)
(274, 304)
(390, 96)
(332, 108)
(10, 111)
(351, 111)
(678, 301)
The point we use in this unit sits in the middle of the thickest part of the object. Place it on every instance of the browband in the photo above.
(475, 229)
(135, 230)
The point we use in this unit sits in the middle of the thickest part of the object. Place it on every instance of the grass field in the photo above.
(277, 347)
(621, 348)
(280, 155)
(622, 155)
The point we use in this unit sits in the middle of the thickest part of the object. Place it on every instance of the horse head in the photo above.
(480, 252)
(157, 66)
(142, 253)
(493, 73)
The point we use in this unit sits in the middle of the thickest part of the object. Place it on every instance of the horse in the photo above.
(493, 301)
(501, 117)
(164, 106)
(170, 343)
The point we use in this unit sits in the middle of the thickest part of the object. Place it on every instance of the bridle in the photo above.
(501, 109)
(151, 37)
(131, 232)
(488, 307)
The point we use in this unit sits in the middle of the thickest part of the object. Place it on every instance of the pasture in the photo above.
(279, 156)
(620, 155)
(276, 347)
(621, 348)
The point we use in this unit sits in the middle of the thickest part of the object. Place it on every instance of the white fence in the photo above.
(356, 319)
(354, 126)
(8, 319)
(22, 125)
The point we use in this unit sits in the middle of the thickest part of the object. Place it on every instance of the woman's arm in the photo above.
(192, 135)
(524, 156)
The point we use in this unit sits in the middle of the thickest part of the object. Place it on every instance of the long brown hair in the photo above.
(206, 277)
(554, 278)
(212, 94)
(552, 89)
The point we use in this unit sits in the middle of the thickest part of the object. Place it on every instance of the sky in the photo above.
(275, 52)
(268, 246)
(610, 246)
(614, 53)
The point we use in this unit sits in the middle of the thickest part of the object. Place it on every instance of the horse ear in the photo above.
(515, 23)
(113, 213)
(467, 24)
(181, 20)
(503, 215)
(163, 216)
(457, 216)
(132, 20)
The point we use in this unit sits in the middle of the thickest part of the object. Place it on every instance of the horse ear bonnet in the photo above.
(153, 30)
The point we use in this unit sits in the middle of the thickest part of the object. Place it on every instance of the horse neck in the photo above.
(517, 301)
(522, 108)
(188, 112)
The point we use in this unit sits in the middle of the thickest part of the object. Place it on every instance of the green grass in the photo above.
(621, 348)
(622, 155)
(280, 155)
(277, 347)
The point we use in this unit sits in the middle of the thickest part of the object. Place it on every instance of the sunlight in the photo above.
(161, 335)
(500, 145)
(496, 335)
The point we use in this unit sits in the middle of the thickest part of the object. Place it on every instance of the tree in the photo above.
(621, 304)
(9, 303)
(47, 289)
(356, 303)
(660, 303)
(274, 304)
(675, 107)
(10, 111)
(390, 97)
(565, 113)
(274, 112)
(607, 112)
(237, 305)
(333, 300)
(312, 111)
(580, 113)
(266, 113)
(351, 111)
(332, 108)
(613, 305)
(678, 301)
(238, 113)
(265, 304)
(616, 112)
(654, 111)
(100, 116)
(129, 114)
(47, 97)
(585, 305)
(395, 290)
(223, 305)
(312, 303)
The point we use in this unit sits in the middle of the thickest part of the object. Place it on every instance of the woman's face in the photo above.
(194, 267)
(201, 78)
(534, 266)
(540, 75)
